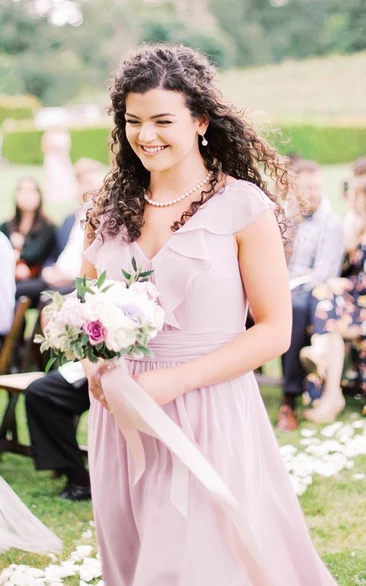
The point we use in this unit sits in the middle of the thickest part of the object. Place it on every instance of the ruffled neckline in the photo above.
(193, 223)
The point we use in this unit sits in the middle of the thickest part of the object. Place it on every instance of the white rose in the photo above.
(95, 306)
(117, 292)
(121, 335)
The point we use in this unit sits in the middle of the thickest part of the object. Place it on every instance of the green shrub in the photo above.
(325, 144)
(216, 46)
(17, 107)
(90, 142)
(23, 146)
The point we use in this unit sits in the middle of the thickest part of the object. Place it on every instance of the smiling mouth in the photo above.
(155, 149)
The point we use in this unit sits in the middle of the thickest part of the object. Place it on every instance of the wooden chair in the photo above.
(14, 383)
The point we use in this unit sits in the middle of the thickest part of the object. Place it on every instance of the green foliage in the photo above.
(57, 62)
(90, 142)
(160, 30)
(17, 107)
(325, 144)
(23, 146)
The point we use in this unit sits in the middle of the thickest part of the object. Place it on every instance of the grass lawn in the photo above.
(335, 508)
(323, 90)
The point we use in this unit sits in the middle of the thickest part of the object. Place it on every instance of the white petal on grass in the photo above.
(305, 432)
(330, 430)
(310, 441)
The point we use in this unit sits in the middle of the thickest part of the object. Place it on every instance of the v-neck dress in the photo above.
(143, 539)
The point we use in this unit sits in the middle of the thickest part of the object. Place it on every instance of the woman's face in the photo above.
(27, 196)
(161, 129)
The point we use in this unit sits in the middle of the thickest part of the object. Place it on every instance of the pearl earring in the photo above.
(204, 141)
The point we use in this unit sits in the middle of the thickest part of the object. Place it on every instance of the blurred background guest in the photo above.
(63, 264)
(317, 255)
(338, 313)
(61, 185)
(351, 221)
(30, 232)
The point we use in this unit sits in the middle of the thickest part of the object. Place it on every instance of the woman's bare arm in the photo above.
(264, 272)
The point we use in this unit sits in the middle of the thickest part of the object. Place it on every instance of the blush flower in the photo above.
(96, 332)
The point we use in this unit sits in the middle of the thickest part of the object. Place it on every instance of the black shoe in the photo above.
(74, 492)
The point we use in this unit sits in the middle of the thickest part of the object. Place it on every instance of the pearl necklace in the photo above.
(171, 202)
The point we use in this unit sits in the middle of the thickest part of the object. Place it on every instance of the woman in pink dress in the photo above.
(186, 198)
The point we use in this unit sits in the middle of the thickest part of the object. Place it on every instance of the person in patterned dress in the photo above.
(338, 311)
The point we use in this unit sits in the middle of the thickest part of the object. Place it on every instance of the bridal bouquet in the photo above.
(103, 319)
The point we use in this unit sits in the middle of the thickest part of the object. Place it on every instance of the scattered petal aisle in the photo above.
(325, 452)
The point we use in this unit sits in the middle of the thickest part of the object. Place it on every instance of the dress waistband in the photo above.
(177, 346)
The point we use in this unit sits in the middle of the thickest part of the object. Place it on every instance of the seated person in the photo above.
(51, 404)
(338, 313)
(31, 233)
(317, 254)
(7, 285)
(351, 220)
(63, 266)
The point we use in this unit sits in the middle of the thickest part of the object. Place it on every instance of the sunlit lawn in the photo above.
(335, 508)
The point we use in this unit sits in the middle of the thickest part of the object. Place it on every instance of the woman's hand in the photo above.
(163, 385)
(17, 240)
(94, 373)
(22, 272)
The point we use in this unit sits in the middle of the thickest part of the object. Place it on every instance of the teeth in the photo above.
(153, 149)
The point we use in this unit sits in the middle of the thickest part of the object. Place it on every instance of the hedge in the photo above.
(325, 144)
(17, 107)
(23, 147)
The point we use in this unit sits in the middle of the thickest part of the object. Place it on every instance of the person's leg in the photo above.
(332, 401)
(293, 373)
(31, 288)
(51, 404)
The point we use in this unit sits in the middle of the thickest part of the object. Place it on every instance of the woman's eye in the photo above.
(134, 122)
(162, 122)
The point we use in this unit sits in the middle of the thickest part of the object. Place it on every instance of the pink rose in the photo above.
(96, 332)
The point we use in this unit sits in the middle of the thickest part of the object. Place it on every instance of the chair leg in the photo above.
(9, 422)
(9, 425)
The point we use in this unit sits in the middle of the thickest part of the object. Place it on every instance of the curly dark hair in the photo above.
(234, 148)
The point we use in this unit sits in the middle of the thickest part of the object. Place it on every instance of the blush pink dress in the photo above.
(143, 539)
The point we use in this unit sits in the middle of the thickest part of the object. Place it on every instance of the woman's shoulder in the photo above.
(238, 204)
(234, 206)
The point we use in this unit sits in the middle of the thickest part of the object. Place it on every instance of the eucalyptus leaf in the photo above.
(101, 280)
(50, 363)
(126, 274)
(146, 274)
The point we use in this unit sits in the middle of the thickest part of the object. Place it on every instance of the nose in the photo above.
(147, 133)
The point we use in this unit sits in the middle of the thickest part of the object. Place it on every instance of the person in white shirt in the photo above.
(7, 284)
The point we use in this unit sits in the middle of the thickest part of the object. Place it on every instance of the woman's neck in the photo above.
(26, 222)
(177, 180)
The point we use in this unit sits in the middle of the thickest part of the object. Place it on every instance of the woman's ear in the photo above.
(203, 123)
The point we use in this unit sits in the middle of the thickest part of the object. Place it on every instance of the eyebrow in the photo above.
(152, 117)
